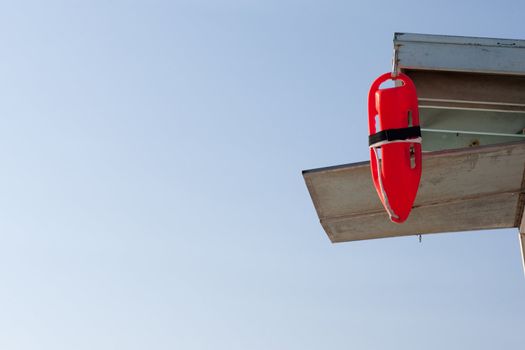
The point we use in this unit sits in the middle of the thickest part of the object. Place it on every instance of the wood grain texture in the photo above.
(469, 89)
(466, 189)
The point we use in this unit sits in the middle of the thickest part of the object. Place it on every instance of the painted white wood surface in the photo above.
(456, 53)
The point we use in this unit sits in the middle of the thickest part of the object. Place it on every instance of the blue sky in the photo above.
(151, 194)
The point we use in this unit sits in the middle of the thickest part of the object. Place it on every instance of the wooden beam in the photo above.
(459, 90)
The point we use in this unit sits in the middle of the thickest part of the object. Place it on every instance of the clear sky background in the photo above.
(151, 194)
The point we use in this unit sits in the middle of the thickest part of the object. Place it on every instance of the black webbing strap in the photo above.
(395, 135)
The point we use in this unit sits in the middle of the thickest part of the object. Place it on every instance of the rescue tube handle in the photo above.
(372, 111)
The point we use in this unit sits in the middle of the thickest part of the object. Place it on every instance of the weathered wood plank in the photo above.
(487, 212)
(464, 189)
(471, 89)
(455, 53)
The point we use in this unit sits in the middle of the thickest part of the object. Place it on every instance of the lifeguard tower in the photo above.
(471, 96)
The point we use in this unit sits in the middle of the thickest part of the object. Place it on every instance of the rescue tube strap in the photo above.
(386, 203)
(410, 134)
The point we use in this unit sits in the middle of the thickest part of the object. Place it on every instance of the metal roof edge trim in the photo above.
(458, 40)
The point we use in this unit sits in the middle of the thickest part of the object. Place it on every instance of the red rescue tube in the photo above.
(395, 144)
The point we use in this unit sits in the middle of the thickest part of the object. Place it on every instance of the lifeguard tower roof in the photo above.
(471, 95)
